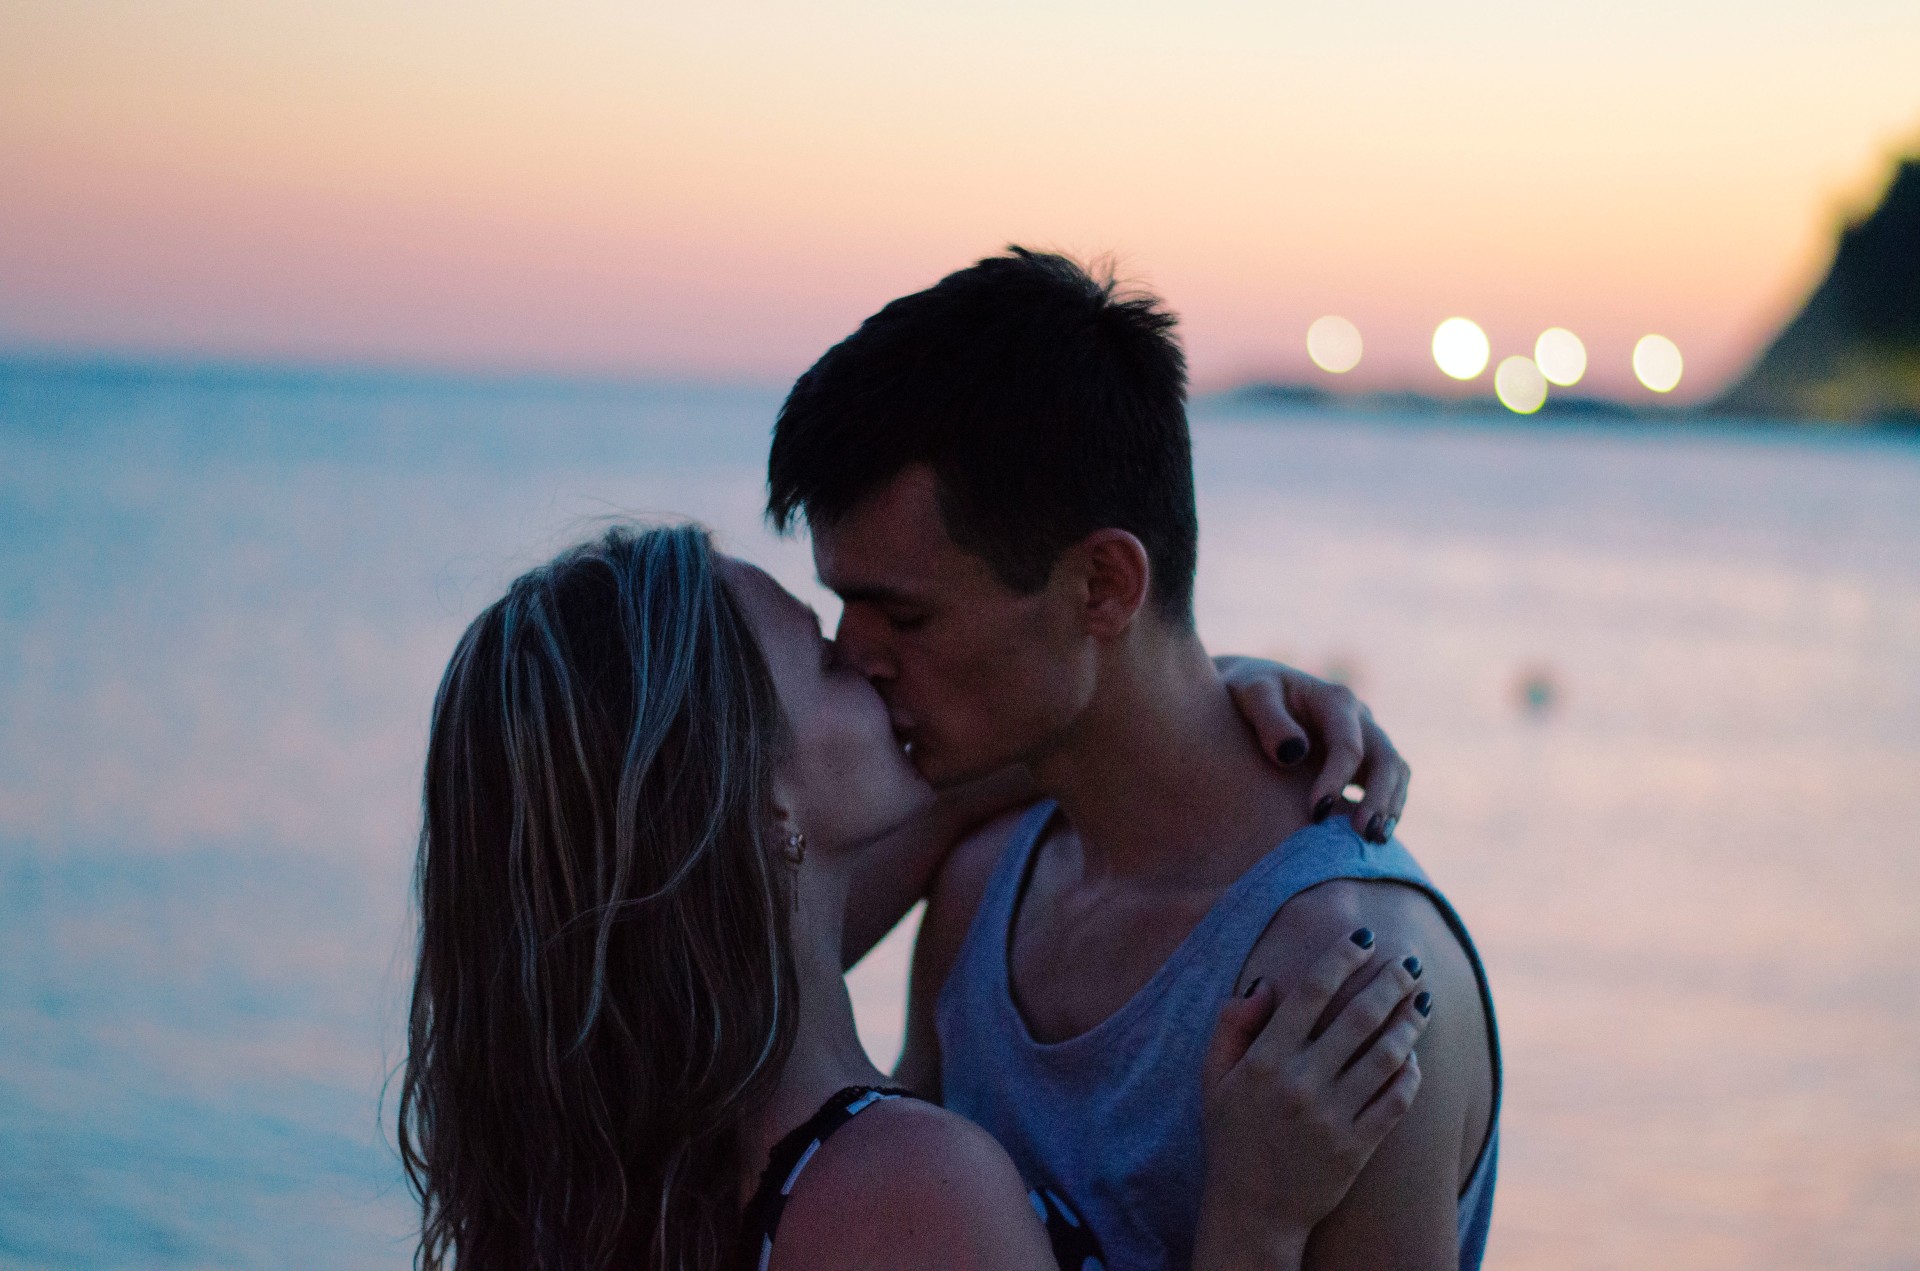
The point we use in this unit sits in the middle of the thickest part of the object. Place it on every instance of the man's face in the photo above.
(975, 676)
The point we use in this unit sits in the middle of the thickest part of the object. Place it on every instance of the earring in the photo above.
(795, 850)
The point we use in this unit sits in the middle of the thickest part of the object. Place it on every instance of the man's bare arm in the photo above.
(951, 905)
(1403, 1209)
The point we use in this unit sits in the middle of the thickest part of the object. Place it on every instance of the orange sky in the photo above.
(725, 189)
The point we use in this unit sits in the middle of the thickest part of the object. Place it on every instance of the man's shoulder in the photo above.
(1457, 1052)
(962, 882)
(1313, 917)
(1398, 913)
(953, 901)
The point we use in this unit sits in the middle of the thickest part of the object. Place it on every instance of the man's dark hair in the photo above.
(1048, 402)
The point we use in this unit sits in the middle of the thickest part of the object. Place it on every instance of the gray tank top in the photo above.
(1110, 1119)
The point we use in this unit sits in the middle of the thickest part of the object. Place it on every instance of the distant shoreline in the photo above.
(345, 373)
(1275, 397)
(1260, 397)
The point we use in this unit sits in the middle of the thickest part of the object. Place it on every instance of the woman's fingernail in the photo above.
(1423, 1002)
(1253, 988)
(1363, 938)
(1324, 807)
(1387, 831)
(1413, 966)
(1291, 751)
(1373, 829)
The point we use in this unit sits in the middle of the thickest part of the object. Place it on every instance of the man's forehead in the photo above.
(893, 540)
(856, 561)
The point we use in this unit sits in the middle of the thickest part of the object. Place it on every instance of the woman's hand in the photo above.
(1290, 710)
(1292, 1116)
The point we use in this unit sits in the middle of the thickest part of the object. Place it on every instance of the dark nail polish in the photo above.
(1413, 966)
(1253, 988)
(1373, 829)
(1324, 808)
(1291, 751)
(1363, 938)
(1387, 832)
(1423, 1002)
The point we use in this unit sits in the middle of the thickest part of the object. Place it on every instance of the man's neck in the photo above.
(1160, 777)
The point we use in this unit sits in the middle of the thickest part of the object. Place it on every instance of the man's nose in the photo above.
(861, 647)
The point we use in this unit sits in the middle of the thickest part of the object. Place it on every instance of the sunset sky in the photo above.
(722, 190)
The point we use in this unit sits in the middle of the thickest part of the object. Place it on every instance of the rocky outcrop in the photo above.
(1853, 351)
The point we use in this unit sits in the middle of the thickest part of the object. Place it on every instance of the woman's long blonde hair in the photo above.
(604, 986)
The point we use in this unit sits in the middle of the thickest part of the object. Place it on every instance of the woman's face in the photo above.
(845, 781)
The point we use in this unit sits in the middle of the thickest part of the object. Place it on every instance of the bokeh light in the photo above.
(1334, 344)
(1520, 385)
(1460, 348)
(1560, 356)
(1656, 360)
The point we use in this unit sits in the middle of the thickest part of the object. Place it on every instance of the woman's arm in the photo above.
(895, 873)
(1293, 714)
(1292, 1117)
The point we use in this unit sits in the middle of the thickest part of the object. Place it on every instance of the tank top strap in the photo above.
(790, 1157)
(1310, 856)
(1074, 1247)
(985, 941)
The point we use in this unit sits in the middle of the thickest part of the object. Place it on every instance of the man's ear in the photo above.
(1116, 576)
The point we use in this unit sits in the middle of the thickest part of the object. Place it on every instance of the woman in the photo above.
(648, 788)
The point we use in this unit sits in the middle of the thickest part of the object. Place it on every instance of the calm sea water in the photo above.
(1694, 869)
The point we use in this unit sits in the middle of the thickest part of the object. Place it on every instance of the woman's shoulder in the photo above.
(909, 1184)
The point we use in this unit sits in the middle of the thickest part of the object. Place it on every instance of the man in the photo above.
(997, 476)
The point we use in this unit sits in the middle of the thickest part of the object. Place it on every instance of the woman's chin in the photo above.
(918, 794)
(914, 797)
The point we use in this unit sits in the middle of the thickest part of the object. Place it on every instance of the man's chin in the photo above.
(943, 770)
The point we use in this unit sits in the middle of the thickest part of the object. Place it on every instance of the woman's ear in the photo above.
(786, 808)
(786, 818)
(1116, 576)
